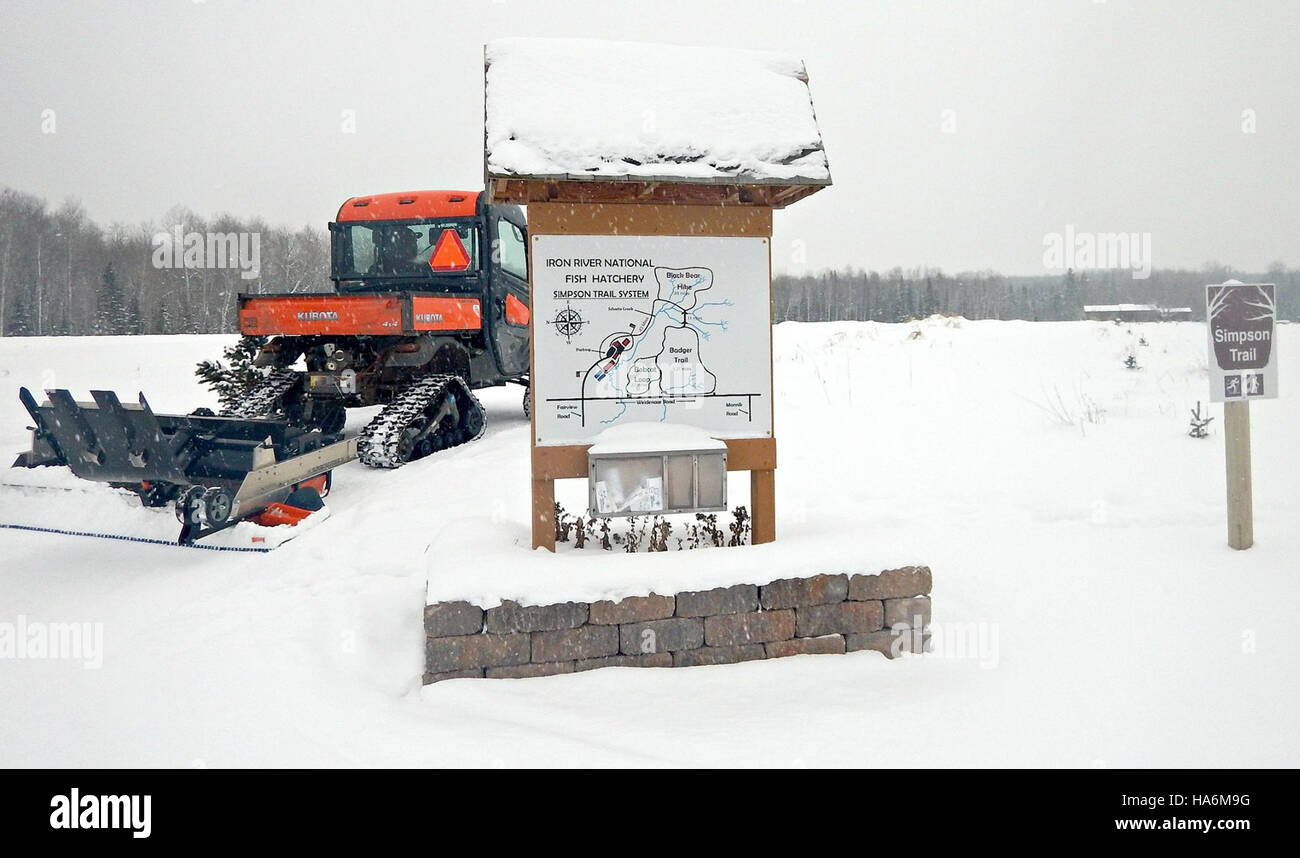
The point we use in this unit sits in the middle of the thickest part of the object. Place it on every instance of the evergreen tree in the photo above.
(162, 319)
(1071, 298)
(110, 314)
(232, 382)
(188, 323)
(19, 323)
(132, 323)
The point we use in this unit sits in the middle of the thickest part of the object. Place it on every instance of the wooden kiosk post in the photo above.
(618, 193)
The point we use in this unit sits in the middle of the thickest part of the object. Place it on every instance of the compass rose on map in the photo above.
(568, 323)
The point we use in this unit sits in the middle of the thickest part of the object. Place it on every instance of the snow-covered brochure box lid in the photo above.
(648, 468)
(578, 109)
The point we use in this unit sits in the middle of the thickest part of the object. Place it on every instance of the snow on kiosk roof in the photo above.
(594, 121)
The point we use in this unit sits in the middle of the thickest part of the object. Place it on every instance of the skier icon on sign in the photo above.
(1232, 385)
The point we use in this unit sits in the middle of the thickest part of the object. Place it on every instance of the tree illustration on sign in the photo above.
(1219, 302)
(1267, 303)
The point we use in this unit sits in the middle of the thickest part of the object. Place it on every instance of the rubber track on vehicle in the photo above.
(378, 442)
(266, 396)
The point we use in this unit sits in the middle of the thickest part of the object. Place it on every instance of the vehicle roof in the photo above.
(410, 204)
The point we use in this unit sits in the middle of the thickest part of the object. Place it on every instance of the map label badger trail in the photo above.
(651, 328)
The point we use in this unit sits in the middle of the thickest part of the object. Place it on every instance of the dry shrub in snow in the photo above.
(653, 534)
(1083, 411)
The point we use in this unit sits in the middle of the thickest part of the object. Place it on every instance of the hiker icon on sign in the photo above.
(1255, 384)
(1232, 386)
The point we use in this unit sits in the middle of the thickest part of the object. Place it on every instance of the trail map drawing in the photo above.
(651, 328)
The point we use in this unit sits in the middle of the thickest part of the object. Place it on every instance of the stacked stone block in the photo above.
(886, 612)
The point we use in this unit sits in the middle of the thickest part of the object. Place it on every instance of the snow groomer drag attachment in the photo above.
(216, 471)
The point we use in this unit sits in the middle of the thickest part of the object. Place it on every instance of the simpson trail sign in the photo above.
(1242, 330)
(1241, 323)
(660, 329)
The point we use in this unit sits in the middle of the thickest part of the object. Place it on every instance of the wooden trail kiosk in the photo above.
(650, 173)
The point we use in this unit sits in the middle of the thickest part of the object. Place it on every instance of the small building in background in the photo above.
(1136, 313)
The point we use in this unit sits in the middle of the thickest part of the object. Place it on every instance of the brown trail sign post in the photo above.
(650, 173)
(1241, 321)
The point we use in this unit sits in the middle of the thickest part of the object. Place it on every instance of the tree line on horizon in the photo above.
(898, 295)
(63, 274)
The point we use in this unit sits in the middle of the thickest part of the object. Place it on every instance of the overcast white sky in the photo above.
(1124, 115)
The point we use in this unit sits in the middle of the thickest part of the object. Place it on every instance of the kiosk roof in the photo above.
(586, 110)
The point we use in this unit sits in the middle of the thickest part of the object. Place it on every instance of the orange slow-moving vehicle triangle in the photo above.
(449, 254)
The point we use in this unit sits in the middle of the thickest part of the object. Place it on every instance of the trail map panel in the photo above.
(630, 328)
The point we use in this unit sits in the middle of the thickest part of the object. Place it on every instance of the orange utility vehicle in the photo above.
(430, 303)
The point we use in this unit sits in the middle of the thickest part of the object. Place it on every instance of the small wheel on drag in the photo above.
(217, 505)
(189, 504)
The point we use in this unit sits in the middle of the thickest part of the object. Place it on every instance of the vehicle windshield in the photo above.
(396, 250)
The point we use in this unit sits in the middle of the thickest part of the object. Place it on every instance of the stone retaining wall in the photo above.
(793, 616)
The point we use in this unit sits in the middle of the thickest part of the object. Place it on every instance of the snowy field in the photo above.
(1073, 529)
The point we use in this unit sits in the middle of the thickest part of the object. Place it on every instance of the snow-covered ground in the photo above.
(1068, 518)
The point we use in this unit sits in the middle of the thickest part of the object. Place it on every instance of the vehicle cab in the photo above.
(440, 243)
